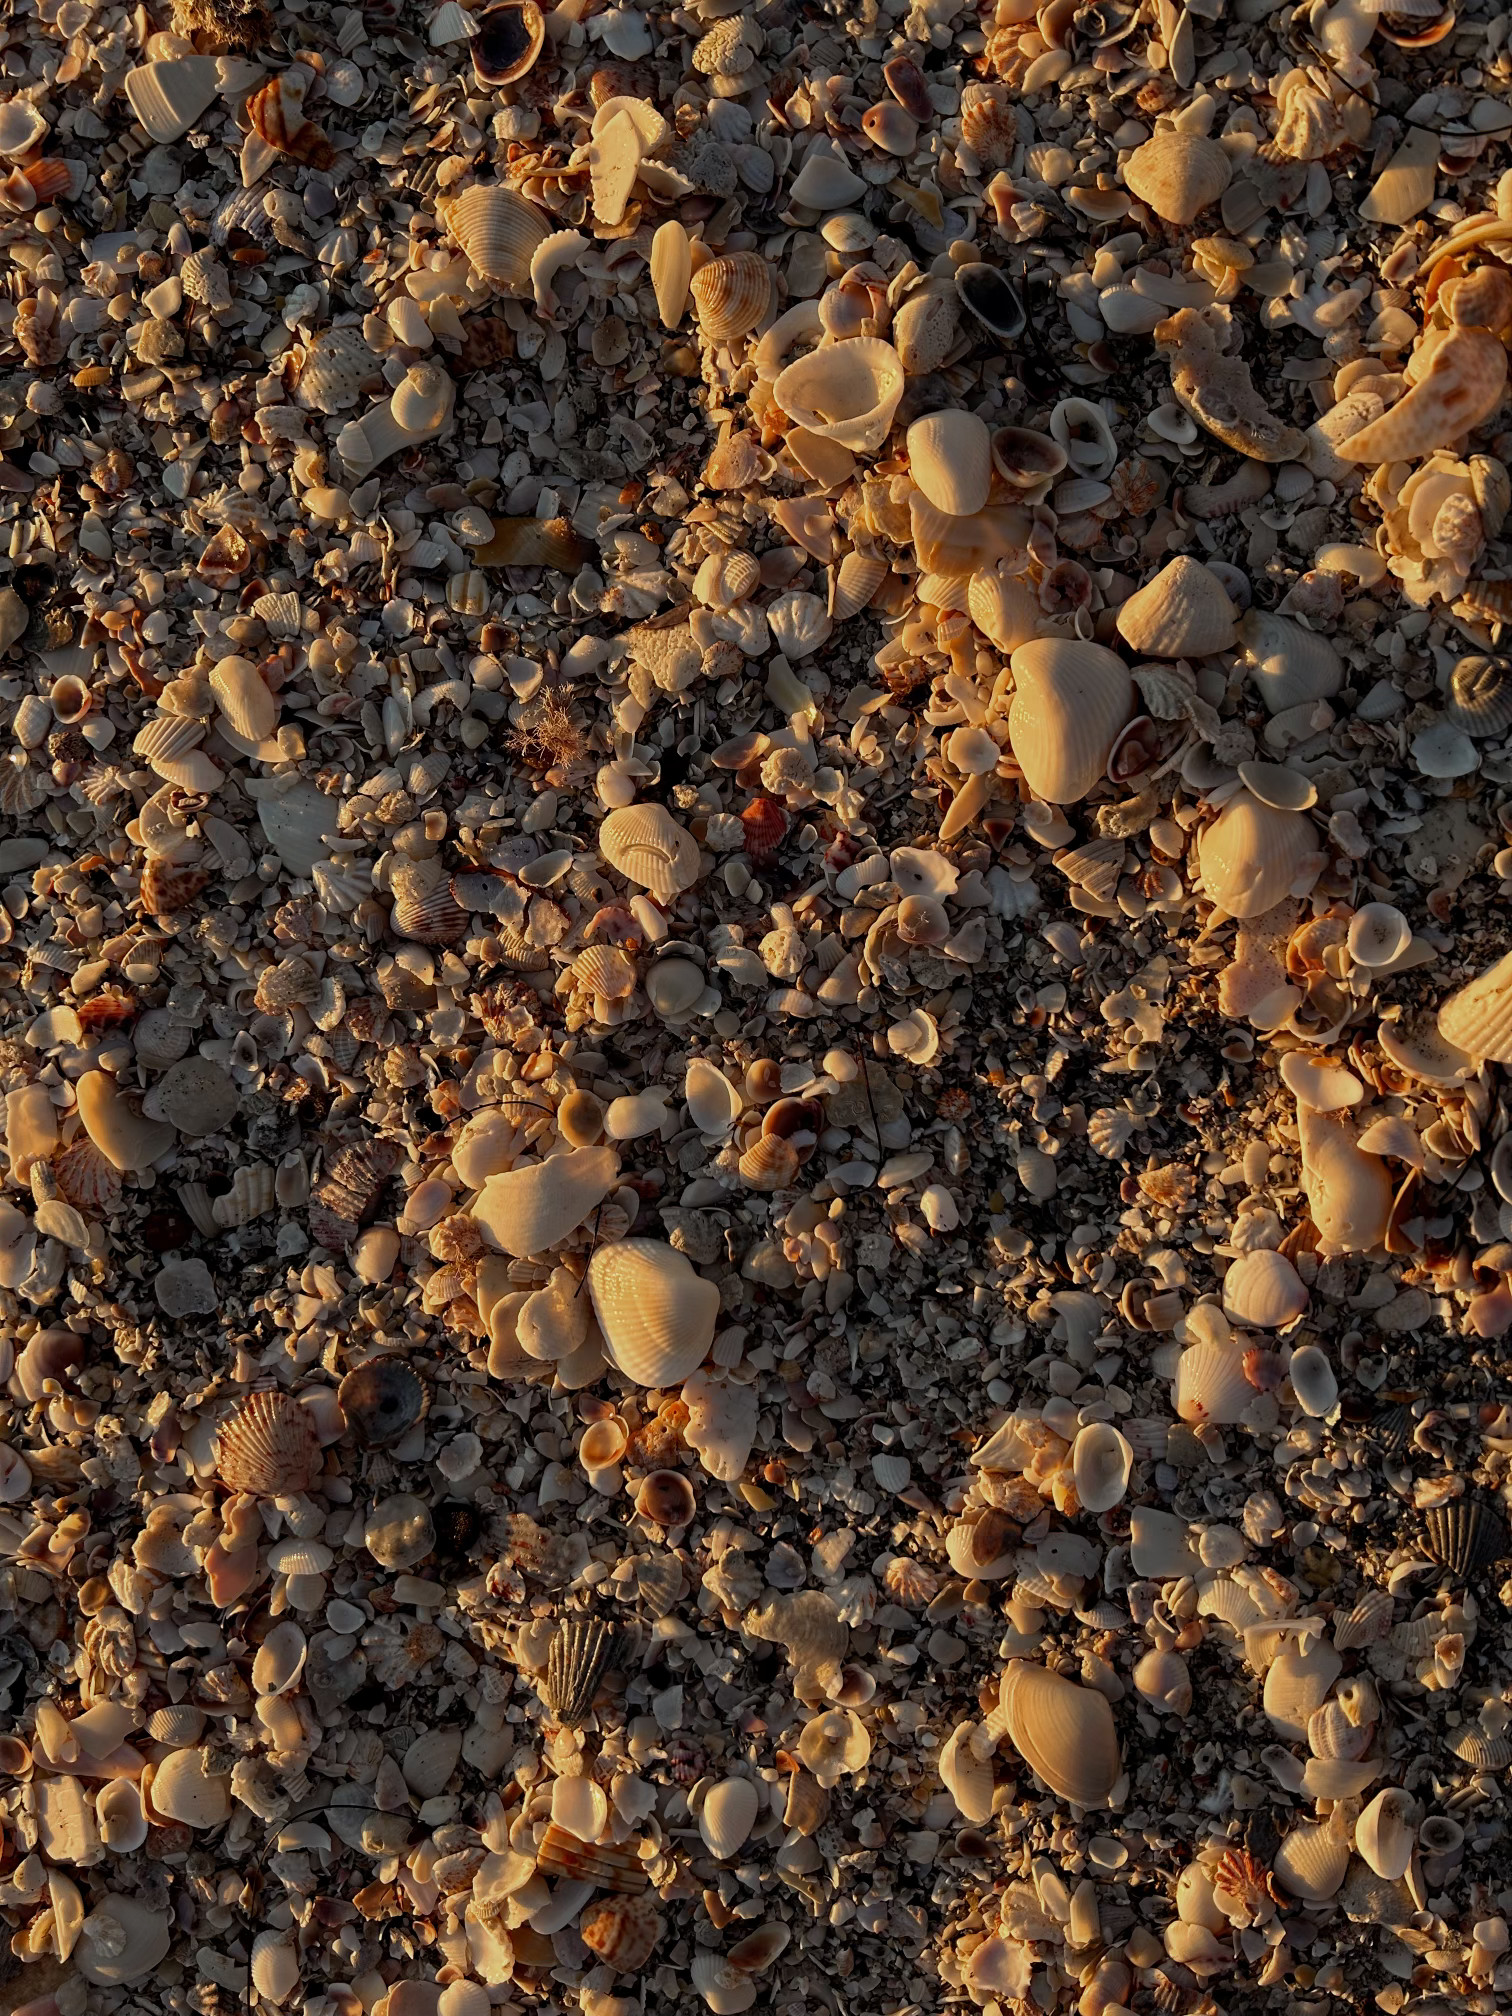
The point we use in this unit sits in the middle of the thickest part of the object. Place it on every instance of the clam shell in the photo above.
(1101, 1464)
(657, 1314)
(120, 1817)
(1349, 1192)
(252, 1195)
(1311, 1862)
(1210, 1385)
(1384, 1833)
(1467, 1536)
(1252, 854)
(1264, 1290)
(671, 272)
(1297, 1683)
(531, 1208)
(1478, 1019)
(924, 331)
(1289, 665)
(1481, 1752)
(1480, 695)
(1070, 700)
(566, 1854)
(1063, 1732)
(846, 392)
(666, 1498)
(950, 458)
(1177, 174)
(244, 699)
(508, 41)
(853, 582)
(731, 295)
(622, 1931)
(168, 97)
(581, 1652)
(727, 1816)
(499, 231)
(381, 1400)
(1378, 934)
(117, 1129)
(1026, 458)
(1184, 612)
(268, 1444)
(645, 844)
(990, 296)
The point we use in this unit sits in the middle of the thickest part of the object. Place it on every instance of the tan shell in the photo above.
(1289, 664)
(529, 1209)
(854, 580)
(1063, 1732)
(732, 294)
(645, 844)
(1311, 1862)
(168, 97)
(117, 1129)
(1184, 612)
(1349, 1192)
(622, 1931)
(268, 1445)
(1177, 174)
(250, 709)
(1070, 700)
(950, 458)
(656, 1312)
(1252, 854)
(1210, 1385)
(846, 392)
(1478, 1019)
(671, 272)
(533, 542)
(1264, 1290)
(924, 331)
(1003, 607)
(770, 1163)
(499, 231)
(1463, 385)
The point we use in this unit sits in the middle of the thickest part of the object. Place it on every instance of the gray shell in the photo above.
(582, 1651)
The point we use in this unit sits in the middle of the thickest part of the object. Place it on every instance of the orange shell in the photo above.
(766, 826)
(623, 1931)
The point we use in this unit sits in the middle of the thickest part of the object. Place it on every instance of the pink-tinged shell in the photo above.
(1462, 386)
(732, 294)
(268, 1445)
(86, 1178)
(622, 1931)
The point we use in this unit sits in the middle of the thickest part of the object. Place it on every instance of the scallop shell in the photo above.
(622, 1931)
(1252, 854)
(250, 709)
(1184, 612)
(1070, 699)
(531, 1208)
(1480, 695)
(1264, 1290)
(731, 295)
(1003, 607)
(1368, 1623)
(1063, 1732)
(1178, 174)
(950, 458)
(657, 1314)
(645, 844)
(770, 1163)
(1312, 1861)
(1210, 1384)
(604, 970)
(168, 97)
(87, 1178)
(846, 392)
(1467, 1536)
(268, 1445)
(1478, 1019)
(499, 231)
(582, 1650)
(562, 1853)
(1289, 664)
(381, 1400)
(1101, 1464)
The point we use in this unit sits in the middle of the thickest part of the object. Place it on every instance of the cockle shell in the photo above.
(1070, 699)
(1264, 1290)
(1480, 695)
(1312, 1860)
(1178, 174)
(1252, 854)
(671, 271)
(1466, 1536)
(731, 295)
(645, 844)
(499, 231)
(950, 458)
(250, 709)
(1290, 665)
(727, 1816)
(622, 1931)
(529, 1209)
(269, 1445)
(1184, 612)
(1384, 1833)
(1063, 1732)
(1478, 1018)
(581, 1652)
(656, 1312)
(1101, 1464)
(1164, 1679)
(854, 580)
(1003, 607)
(1349, 1192)
(846, 392)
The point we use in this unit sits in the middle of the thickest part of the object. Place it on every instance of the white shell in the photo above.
(1313, 1381)
(499, 231)
(1252, 854)
(1289, 665)
(1063, 1732)
(1185, 612)
(645, 844)
(1003, 607)
(1101, 1463)
(183, 1788)
(1297, 1683)
(1311, 1862)
(168, 97)
(1478, 1019)
(249, 708)
(950, 458)
(120, 1818)
(966, 1775)
(846, 392)
(714, 1104)
(1264, 1289)
(1384, 1833)
(727, 1816)
(1349, 1192)
(1070, 699)
(1210, 1385)
(529, 1209)
(657, 1314)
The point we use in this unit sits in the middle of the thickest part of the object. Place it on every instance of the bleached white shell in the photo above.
(1264, 1290)
(275, 1966)
(1349, 1192)
(185, 1789)
(1378, 934)
(1070, 699)
(671, 271)
(1252, 854)
(581, 1805)
(169, 96)
(645, 844)
(1101, 1463)
(529, 1209)
(1210, 1384)
(1384, 1833)
(1289, 664)
(846, 392)
(119, 1816)
(714, 1104)
(950, 458)
(1185, 612)
(499, 231)
(1297, 1683)
(1064, 1733)
(1478, 1019)
(1003, 607)
(727, 1816)
(1313, 1381)
(657, 1313)
(1165, 1681)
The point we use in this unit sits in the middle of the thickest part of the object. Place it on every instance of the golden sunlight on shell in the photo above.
(268, 1445)
(1252, 854)
(845, 392)
(1070, 699)
(1063, 1732)
(1478, 1019)
(950, 458)
(1184, 612)
(1178, 174)
(645, 844)
(657, 1313)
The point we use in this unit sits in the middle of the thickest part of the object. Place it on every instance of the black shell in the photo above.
(1466, 1536)
(381, 1400)
(507, 43)
(582, 1651)
(992, 298)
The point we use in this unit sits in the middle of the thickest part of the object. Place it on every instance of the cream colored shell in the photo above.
(1178, 174)
(1252, 854)
(1070, 700)
(1478, 1019)
(846, 392)
(529, 1209)
(1064, 1733)
(645, 844)
(1184, 612)
(950, 458)
(656, 1312)
(499, 231)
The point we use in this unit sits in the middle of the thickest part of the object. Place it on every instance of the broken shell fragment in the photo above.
(1478, 1019)
(845, 392)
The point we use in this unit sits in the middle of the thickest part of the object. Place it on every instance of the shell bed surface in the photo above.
(755, 999)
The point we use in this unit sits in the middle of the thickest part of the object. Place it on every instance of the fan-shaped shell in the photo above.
(87, 1178)
(853, 582)
(727, 1816)
(1070, 700)
(604, 970)
(581, 1652)
(657, 1314)
(169, 96)
(846, 392)
(529, 1209)
(671, 271)
(1003, 607)
(1101, 1463)
(1480, 695)
(1349, 1192)
(645, 844)
(1311, 1862)
(269, 1445)
(499, 231)
(1185, 612)
(1252, 854)
(1466, 1536)
(622, 1931)
(1210, 1384)
(1063, 1732)
(1264, 1290)
(1177, 174)
(380, 1401)
(950, 458)
(731, 295)
(1478, 1019)
(1289, 664)
(252, 1195)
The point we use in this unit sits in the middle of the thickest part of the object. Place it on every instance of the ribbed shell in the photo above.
(1312, 1860)
(1003, 607)
(732, 294)
(353, 1179)
(1070, 700)
(1478, 1019)
(1466, 1536)
(950, 458)
(252, 1195)
(645, 844)
(604, 970)
(622, 1931)
(1480, 695)
(87, 1178)
(499, 231)
(561, 1853)
(1184, 612)
(580, 1654)
(656, 1312)
(1210, 1385)
(268, 1445)
(1252, 854)
(1289, 665)
(853, 582)
(1177, 174)
(1064, 1733)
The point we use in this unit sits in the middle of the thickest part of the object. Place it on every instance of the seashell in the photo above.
(1480, 1751)
(500, 233)
(948, 545)
(1478, 1018)
(534, 1206)
(1183, 613)
(268, 1445)
(117, 1128)
(580, 1858)
(645, 844)
(604, 1443)
(354, 1179)
(252, 1195)
(1070, 699)
(168, 97)
(1063, 1732)
(381, 1400)
(925, 330)
(1297, 1683)
(1251, 855)
(1368, 1623)
(1211, 1384)
(835, 1744)
(274, 1966)
(854, 580)
(532, 542)
(1290, 665)
(1165, 1681)
(604, 970)
(1217, 391)
(552, 256)
(726, 1991)
(826, 181)
(666, 1498)
(1080, 427)
(428, 916)
(845, 392)
(1026, 459)
(185, 1789)
(1378, 935)
(657, 1314)
(507, 43)
(1349, 1193)
(582, 1651)
(1101, 1464)
(622, 1931)
(1463, 385)
(1003, 607)
(337, 364)
(1467, 1536)
(770, 1163)
(807, 1804)
(87, 1178)
(1279, 786)
(674, 986)
(731, 295)
(1264, 1291)
(1480, 695)
(757, 1951)
(1178, 174)
(671, 271)
(121, 1941)
(120, 1817)
(249, 708)
(659, 1582)
(765, 826)
(276, 114)
(727, 1816)
(1312, 1860)
(989, 295)
(1313, 1381)
(950, 458)
(614, 158)
(1384, 1834)
(280, 1658)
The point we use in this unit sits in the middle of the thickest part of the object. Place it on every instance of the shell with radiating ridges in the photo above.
(731, 295)
(854, 580)
(87, 1178)
(1063, 1732)
(646, 845)
(656, 1312)
(1185, 612)
(581, 1652)
(1480, 695)
(1478, 1019)
(1003, 607)
(1210, 1386)
(251, 711)
(950, 458)
(1070, 700)
(1177, 174)
(562, 1854)
(252, 1195)
(1312, 1860)
(1289, 665)
(1264, 1289)
(622, 1931)
(846, 392)
(268, 1445)
(499, 231)
(1252, 854)
(1467, 1536)
(381, 1400)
